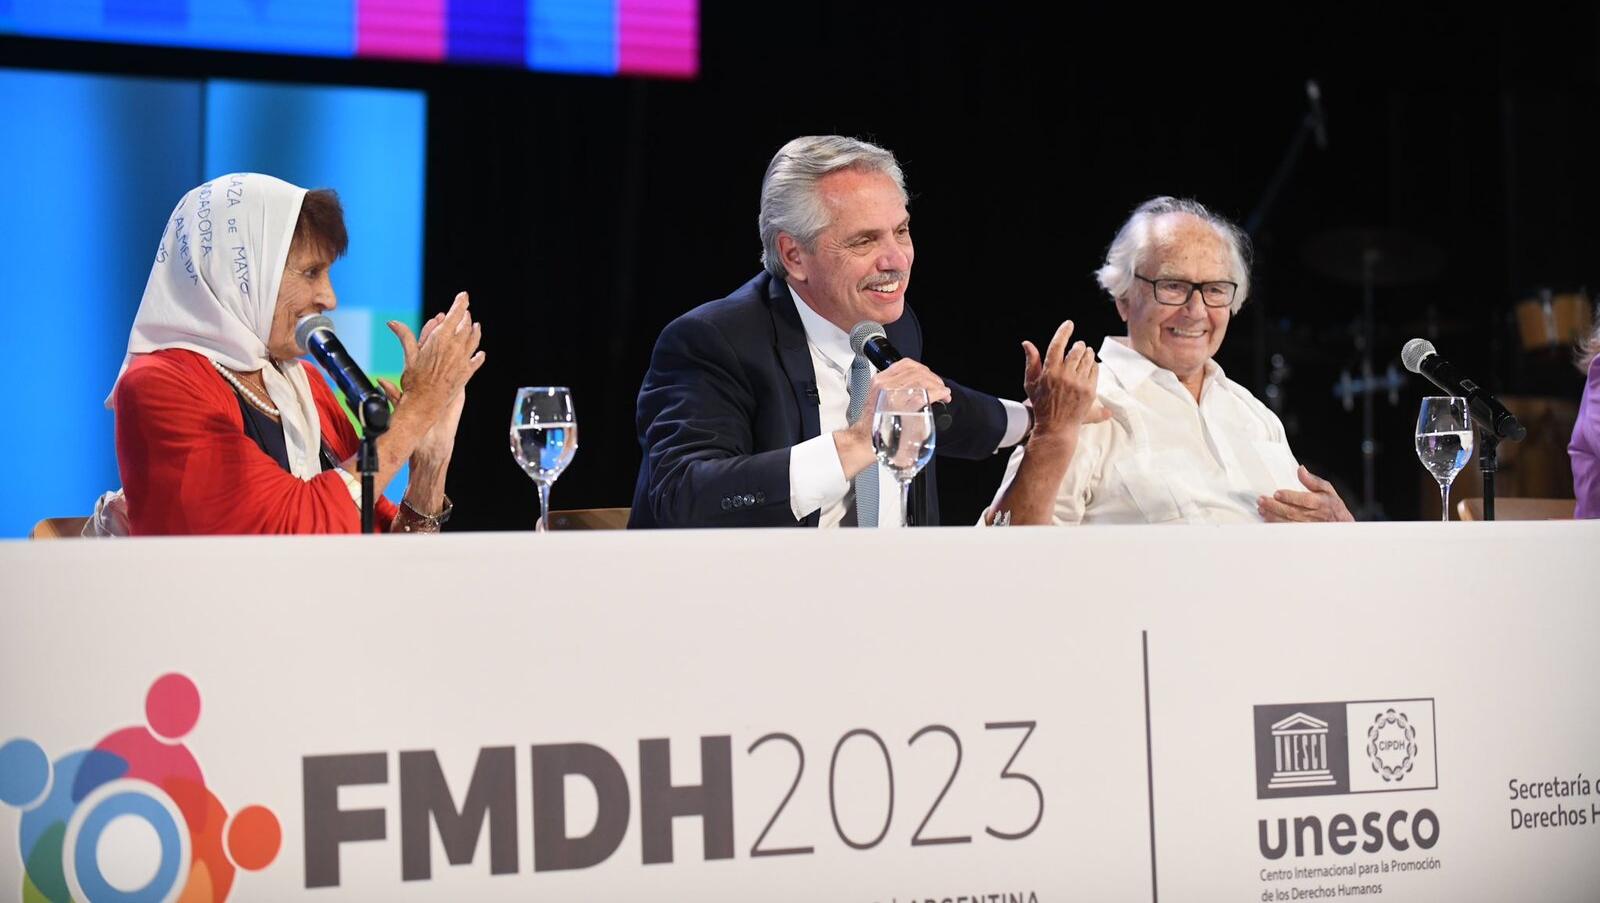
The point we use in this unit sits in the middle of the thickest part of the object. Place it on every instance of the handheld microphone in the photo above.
(314, 335)
(1420, 357)
(868, 339)
(1319, 120)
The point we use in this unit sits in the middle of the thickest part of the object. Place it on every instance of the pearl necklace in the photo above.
(244, 390)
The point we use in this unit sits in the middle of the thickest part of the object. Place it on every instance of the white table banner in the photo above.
(1136, 713)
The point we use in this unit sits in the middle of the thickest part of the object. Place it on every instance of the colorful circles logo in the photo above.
(130, 819)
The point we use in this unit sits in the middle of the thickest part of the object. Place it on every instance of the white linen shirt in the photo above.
(1165, 458)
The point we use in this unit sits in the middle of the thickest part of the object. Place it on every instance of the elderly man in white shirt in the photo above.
(1155, 432)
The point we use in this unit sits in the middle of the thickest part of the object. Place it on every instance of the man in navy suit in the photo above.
(742, 415)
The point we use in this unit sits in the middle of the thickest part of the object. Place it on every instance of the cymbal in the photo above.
(1305, 344)
(1335, 343)
(1430, 328)
(1388, 257)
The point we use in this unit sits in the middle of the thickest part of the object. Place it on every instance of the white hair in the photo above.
(1589, 349)
(789, 200)
(1137, 237)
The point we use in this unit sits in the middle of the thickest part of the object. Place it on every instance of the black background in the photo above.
(584, 213)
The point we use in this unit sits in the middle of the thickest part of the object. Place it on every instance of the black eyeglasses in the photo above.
(1176, 292)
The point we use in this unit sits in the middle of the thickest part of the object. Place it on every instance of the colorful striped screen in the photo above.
(595, 37)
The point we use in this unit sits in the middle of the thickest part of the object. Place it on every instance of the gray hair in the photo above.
(1588, 350)
(789, 201)
(1137, 235)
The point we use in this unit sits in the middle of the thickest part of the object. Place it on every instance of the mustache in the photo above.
(884, 279)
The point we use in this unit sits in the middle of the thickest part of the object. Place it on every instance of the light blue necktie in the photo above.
(866, 480)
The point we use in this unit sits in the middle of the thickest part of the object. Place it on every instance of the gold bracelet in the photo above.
(410, 520)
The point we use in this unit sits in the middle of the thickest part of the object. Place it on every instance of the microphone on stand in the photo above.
(1420, 357)
(868, 338)
(314, 334)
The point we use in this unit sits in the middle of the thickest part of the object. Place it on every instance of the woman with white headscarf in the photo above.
(220, 427)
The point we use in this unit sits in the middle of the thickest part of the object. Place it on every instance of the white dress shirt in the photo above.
(1165, 458)
(816, 477)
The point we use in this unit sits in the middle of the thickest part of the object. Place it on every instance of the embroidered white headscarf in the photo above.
(214, 287)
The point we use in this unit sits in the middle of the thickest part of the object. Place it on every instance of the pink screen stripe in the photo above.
(658, 37)
(401, 29)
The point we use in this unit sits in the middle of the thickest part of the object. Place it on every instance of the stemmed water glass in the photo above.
(544, 437)
(903, 436)
(1444, 441)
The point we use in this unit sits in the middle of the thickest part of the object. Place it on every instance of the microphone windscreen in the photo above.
(1414, 352)
(308, 325)
(861, 332)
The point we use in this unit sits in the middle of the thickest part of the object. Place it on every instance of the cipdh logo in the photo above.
(1327, 748)
(89, 817)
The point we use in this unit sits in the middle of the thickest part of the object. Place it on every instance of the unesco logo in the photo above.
(1308, 749)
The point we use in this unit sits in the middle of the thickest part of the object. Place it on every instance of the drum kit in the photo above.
(1551, 322)
(1371, 259)
(1549, 325)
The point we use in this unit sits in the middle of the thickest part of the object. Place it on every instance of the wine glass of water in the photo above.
(544, 437)
(1444, 441)
(903, 436)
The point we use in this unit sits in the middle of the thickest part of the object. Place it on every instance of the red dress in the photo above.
(188, 467)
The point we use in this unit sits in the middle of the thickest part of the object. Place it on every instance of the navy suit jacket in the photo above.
(731, 388)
